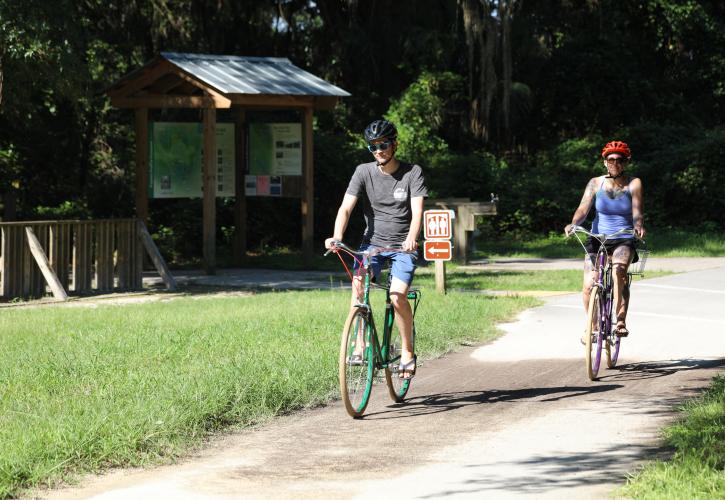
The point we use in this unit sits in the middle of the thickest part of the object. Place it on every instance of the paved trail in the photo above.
(515, 418)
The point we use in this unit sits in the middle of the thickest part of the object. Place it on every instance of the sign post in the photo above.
(437, 245)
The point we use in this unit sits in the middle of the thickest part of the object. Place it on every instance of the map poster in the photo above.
(176, 160)
(275, 149)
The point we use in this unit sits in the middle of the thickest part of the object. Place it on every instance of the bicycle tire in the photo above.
(397, 387)
(356, 379)
(613, 342)
(593, 352)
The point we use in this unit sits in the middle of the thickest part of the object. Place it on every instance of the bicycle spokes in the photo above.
(356, 365)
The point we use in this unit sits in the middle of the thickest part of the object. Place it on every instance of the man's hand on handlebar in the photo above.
(332, 242)
(410, 245)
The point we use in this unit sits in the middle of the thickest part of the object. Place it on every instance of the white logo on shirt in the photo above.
(400, 194)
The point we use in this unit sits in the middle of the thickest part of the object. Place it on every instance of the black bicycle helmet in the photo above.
(380, 129)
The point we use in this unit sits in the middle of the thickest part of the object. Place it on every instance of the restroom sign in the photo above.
(437, 224)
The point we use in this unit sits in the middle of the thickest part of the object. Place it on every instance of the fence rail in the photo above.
(86, 256)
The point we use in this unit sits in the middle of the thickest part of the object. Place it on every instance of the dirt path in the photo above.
(516, 418)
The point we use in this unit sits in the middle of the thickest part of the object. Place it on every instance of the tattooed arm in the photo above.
(585, 205)
(635, 187)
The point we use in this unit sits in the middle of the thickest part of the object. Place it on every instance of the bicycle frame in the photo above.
(603, 288)
(356, 371)
(380, 353)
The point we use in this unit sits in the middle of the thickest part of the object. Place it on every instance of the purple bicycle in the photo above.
(600, 312)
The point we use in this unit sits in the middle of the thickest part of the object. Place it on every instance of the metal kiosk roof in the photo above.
(211, 82)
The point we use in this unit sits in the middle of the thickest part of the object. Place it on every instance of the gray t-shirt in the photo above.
(387, 200)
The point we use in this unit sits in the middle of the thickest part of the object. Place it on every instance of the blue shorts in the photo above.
(403, 264)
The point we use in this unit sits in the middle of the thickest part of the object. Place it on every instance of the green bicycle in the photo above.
(362, 353)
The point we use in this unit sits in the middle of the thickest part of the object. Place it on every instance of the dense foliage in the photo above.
(513, 97)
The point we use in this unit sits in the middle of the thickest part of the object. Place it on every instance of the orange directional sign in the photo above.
(437, 224)
(437, 250)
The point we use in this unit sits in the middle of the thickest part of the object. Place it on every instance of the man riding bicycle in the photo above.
(617, 199)
(393, 208)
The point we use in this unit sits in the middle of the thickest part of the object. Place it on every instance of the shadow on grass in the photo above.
(449, 401)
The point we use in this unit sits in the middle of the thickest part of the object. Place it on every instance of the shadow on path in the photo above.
(655, 369)
(553, 472)
(442, 402)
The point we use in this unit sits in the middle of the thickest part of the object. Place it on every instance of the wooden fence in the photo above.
(81, 257)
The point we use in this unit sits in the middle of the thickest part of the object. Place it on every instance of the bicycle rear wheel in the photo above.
(593, 352)
(356, 363)
(397, 387)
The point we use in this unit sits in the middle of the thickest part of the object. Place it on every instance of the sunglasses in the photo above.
(379, 147)
(618, 159)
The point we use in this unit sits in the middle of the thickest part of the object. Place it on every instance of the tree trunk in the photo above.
(481, 35)
(505, 12)
(1, 81)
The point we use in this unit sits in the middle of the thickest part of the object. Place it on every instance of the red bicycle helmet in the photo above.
(616, 147)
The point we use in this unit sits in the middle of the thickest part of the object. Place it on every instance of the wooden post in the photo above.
(308, 189)
(156, 257)
(460, 239)
(82, 264)
(142, 164)
(440, 276)
(240, 200)
(5, 262)
(42, 260)
(209, 190)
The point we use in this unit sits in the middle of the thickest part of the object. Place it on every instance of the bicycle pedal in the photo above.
(355, 361)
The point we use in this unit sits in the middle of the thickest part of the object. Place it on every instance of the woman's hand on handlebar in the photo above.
(570, 228)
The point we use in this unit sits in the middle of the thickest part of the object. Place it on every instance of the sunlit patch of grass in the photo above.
(697, 467)
(82, 389)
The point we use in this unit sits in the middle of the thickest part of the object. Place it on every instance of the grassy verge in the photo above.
(566, 280)
(697, 469)
(82, 389)
(662, 242)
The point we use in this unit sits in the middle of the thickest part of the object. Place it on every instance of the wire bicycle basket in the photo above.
(637, 268)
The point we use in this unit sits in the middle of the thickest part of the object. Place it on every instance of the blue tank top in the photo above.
(613, 214)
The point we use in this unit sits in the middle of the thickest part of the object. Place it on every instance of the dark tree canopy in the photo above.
(488, 95)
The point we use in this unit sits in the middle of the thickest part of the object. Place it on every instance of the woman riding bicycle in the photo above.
(617, 199)
(393, 193)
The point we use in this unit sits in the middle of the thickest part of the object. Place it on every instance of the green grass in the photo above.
(662, 243)
(83, 389)
(697, 468)
(566, 280)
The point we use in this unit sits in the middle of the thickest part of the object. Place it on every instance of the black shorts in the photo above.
(592, 247)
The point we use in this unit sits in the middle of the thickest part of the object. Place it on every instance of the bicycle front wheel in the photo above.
(356, 363)
(397, 387)
(592, 331)
(613, 341)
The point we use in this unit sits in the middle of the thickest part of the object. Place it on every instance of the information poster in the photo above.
(275, 149)
(176, 160)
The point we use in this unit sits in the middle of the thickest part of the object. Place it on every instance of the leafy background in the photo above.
(512, 97)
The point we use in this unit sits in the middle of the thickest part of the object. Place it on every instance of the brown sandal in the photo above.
(407, 370)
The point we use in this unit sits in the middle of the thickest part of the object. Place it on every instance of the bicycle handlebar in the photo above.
(342, 246)
(603, 237)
